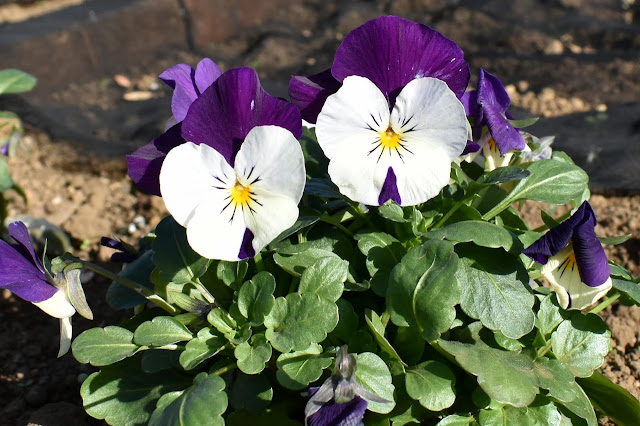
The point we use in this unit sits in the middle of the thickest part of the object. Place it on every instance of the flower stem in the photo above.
(446, 216)
(329, 219)
(132, 285)
(225, 369)
(606, 303)
(543, 350)
(257, 259)
(203, 290)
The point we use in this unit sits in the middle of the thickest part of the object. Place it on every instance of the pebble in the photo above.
(122, 81)
(138, 95)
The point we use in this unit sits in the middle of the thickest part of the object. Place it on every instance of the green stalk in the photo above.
(203, 290)
(606, 303)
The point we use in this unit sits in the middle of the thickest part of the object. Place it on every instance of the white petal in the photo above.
(65, 336)
(216, 232)
(357, 110)
(57, 306)
(572, 292)
(433, 125)
(271, 158)
(189, 175)
(274, 214)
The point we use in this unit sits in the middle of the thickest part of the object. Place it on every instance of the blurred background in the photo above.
(574, 63)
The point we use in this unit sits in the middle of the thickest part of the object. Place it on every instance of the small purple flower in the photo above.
(22, 272)
(575, 263)
(125, 253)
(488, 107)
(237, 183)
(188, 84)
(390, 52)
(341, 400)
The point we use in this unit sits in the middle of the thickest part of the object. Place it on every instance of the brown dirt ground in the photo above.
(90, 197)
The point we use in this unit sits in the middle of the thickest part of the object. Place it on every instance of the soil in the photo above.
(557, 57)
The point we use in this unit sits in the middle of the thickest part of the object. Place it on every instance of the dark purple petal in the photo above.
(558, 237)
(389, 189)
(503, 133)
(145, 163)
(491, 93)
(309, 93)
(21, 271)
(471, 147)
(332, 414)
(391, 51)
(470, 102)
(19, 232)
(246, 248)
(112, 243)
(181, 78)
(4, 150)
(590, 256)
(236, 103)
(207, 72)
(122, 255)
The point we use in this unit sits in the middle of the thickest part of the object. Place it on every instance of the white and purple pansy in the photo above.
(236, 184)
(22, 273)
(395, 122)
(575, 263)
(187, 84)
(488, 107)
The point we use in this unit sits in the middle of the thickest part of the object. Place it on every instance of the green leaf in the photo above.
(495, 289)
(139, 271)
(6, 182)
(507, 377)
(559, 381)
(325, 277)
(549, 315)
(173, 256)
(322, 188)
(551, 181)
(504, 174)
(232, 273)
(581, 343)
(423, 290)
(255, 297)
(208, 343)
(392, 212)
(615, 240)
(456, 420)
(161, 331)
(541, 413)
(104, 346)
(383, 253)
(155, 360)
(201, 404)
(612, 400)
(409, 345)
(629, 288)
(377, 329)
(15, 81)
(525, 122)
(347, 321)
(295, 264)
(252, 393)
(253, 355)
(297, 369)
(482, 233)
(507, 342)
(373, 374)
(431, 383)
(297, 321)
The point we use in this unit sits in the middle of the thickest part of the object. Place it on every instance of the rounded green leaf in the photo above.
(612, 400)
(161, 331)
(383, 253)
(541, 413)
(297, 321)
(252, 356)
(456, 420)
(104, 346)
(495, 289)
(581, 343)
(297, 369)
(208, 343)
(482, 233)
(423, 289)
(122, 394)
(255, 297)
(6, 182)
(201, 404)
(505, 376)
(431, 383)
(325, 277)
(296, 263)
(15, 81)
(373, 374)
(347, 321)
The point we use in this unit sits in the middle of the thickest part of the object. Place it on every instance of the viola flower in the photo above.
(341, 400)
(575, 263)
(22, 272)
(236, 184)
(188, 84)
(394, 124)
(488, 107)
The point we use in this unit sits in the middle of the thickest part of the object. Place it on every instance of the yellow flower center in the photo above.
(240, 195)
(492, 145)
(389, 139)
(569, 263)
